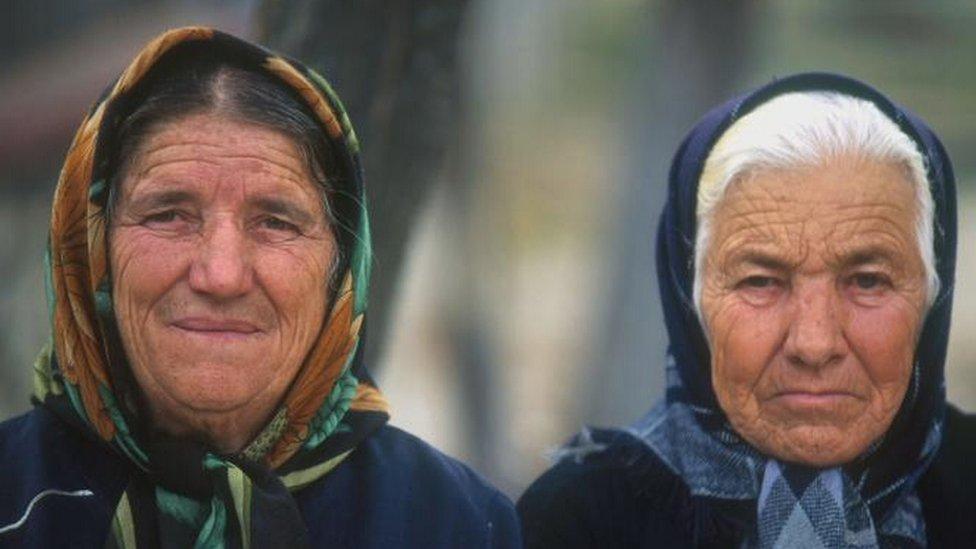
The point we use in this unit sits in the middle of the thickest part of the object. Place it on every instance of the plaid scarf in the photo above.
(801, 507)
(796, 507)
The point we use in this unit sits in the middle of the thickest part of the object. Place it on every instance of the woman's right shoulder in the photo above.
(29, 438)
(40, 448)
(607, 489)
(57, 488)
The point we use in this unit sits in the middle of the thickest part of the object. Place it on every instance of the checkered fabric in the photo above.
(805, 508)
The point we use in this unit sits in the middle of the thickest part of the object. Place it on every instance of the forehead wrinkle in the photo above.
(873, 247)
(882, 205)
(291, 188)
(828, 216)
(772, 223)
(873, 226)
(264, 161)
(146, 177)
(745, 212)
(878, 220)
(163, 140)
(755, 205)
(767, 207)
(147, 167)
(770, 239)
(732, 213)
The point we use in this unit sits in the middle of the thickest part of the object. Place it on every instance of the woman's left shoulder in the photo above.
(415, 495)
(948, 487)
(394, 453)
(609, 489)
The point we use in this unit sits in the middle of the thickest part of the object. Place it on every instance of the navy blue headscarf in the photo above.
(894, 467)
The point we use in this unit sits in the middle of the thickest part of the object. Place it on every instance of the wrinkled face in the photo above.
(813, 298)
(220, 254)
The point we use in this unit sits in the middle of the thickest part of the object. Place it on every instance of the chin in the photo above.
(214, 388)
(213, 402)
(816, 446)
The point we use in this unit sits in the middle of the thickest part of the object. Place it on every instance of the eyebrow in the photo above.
(857, 257)
(285, 208)
(166, 197)
(868, 255)
(275, 206)
(761, 259)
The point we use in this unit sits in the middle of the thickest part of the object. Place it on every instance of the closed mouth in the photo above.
(813, 398)
(216, 327)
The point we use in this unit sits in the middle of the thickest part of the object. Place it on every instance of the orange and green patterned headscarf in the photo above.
(331, 405)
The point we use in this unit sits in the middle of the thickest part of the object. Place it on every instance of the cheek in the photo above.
(743, 341)
(296, 279)
(143, 267)
(884, 340)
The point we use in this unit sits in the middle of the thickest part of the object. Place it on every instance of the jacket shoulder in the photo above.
(409, 494)
(609, 489)
(55, 484)
(948, 487)
(400, 452)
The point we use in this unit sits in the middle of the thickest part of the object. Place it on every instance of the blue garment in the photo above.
(392, 491)
(895, 465)
(720, 476)
(611, 490)
(733, 470)
(323, 469)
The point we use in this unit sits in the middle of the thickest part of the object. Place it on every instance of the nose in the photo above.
(221, 267)
(815, 337)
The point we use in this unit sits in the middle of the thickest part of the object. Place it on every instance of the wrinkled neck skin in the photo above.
(227, 432)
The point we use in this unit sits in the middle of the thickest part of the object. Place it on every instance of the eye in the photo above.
(163, 219)
(278, 224)
(759, 282)
(867, 281)
(760, 290)
(274, 229)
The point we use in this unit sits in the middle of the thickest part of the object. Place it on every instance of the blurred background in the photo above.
(516, 154)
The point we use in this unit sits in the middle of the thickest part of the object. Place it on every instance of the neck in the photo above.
(225, 431)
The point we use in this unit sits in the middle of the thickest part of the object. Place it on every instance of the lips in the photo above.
(813, 398)
(216, 327)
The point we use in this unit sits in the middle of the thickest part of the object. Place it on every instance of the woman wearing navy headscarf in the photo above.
(806, 261)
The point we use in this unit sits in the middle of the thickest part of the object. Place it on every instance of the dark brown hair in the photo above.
(194, 80)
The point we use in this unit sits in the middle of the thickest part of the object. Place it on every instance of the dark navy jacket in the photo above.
(625, 497)
(394, 490)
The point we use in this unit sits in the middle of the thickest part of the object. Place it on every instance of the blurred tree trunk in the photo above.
(695, 53)
(394, 63)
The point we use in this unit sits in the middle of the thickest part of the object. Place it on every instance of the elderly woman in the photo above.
(805, 261)
(208, 261)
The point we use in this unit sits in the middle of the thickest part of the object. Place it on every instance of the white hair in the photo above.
(802, 129)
